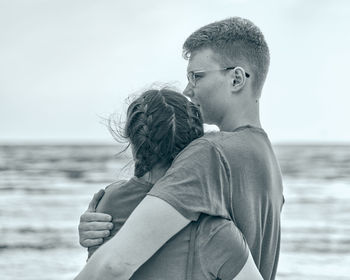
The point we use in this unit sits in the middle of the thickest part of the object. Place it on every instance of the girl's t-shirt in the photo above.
(220, 249)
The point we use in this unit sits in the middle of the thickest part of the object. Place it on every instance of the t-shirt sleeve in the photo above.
(225, 253)
(112, 203)
(197, 182)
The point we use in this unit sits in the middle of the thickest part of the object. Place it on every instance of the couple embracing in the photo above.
(200, 206)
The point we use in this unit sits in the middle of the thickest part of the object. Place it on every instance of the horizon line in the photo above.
(112, 143)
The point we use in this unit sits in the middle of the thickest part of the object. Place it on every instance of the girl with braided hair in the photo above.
(160, 124)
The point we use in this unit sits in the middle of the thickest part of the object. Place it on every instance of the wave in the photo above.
(47, 246)
(319, 246)
(36, 230)
(32, 190)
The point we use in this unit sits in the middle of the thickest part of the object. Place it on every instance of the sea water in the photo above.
(45, 188)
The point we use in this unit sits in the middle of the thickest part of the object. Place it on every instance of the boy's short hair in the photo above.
(234, 40)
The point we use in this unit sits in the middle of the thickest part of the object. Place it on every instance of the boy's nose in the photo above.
(188, 91)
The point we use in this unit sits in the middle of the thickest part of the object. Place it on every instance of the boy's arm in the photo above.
(196, 183)
(191, 182)
(249, 271)
(152, 223)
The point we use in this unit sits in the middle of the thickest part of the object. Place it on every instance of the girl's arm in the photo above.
(152, 223)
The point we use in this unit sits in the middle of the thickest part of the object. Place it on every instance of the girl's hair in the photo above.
(160, 123)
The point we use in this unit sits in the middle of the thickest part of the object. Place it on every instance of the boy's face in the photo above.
(211, 89)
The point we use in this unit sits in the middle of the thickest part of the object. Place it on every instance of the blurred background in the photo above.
(67, 65)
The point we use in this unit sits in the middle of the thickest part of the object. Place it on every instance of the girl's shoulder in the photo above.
(123, 195)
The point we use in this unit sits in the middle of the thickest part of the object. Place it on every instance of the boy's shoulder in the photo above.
(215, 139)
(212, 141)
(208, 140)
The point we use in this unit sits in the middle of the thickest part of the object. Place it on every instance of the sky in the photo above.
(66, 65)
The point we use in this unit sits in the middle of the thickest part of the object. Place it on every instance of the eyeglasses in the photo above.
(193, 76)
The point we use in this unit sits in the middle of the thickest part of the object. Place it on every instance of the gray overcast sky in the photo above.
(63, 64)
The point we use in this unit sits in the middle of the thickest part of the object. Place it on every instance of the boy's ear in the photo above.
(238, 79)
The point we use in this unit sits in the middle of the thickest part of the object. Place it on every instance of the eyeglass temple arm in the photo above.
(231, 68)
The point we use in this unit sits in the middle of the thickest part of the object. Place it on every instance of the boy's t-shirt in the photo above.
(234, 175)
(220, 250)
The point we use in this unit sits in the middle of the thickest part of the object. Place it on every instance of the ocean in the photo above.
(45, 188)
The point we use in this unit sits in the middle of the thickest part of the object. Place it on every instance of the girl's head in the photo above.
(160, 123)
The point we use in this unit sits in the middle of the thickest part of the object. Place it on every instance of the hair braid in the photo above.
(170, 125)
(195, 121)
(138, 128)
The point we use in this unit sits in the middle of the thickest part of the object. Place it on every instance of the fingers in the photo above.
(92, 233)
(95, 234)
(95, 217)
(96, 198)
(95, 226)
(91, 242)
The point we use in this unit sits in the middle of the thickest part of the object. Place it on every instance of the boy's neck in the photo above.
(237, 118)
(230, 124)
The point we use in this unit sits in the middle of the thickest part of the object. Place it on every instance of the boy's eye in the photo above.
(197, 75)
